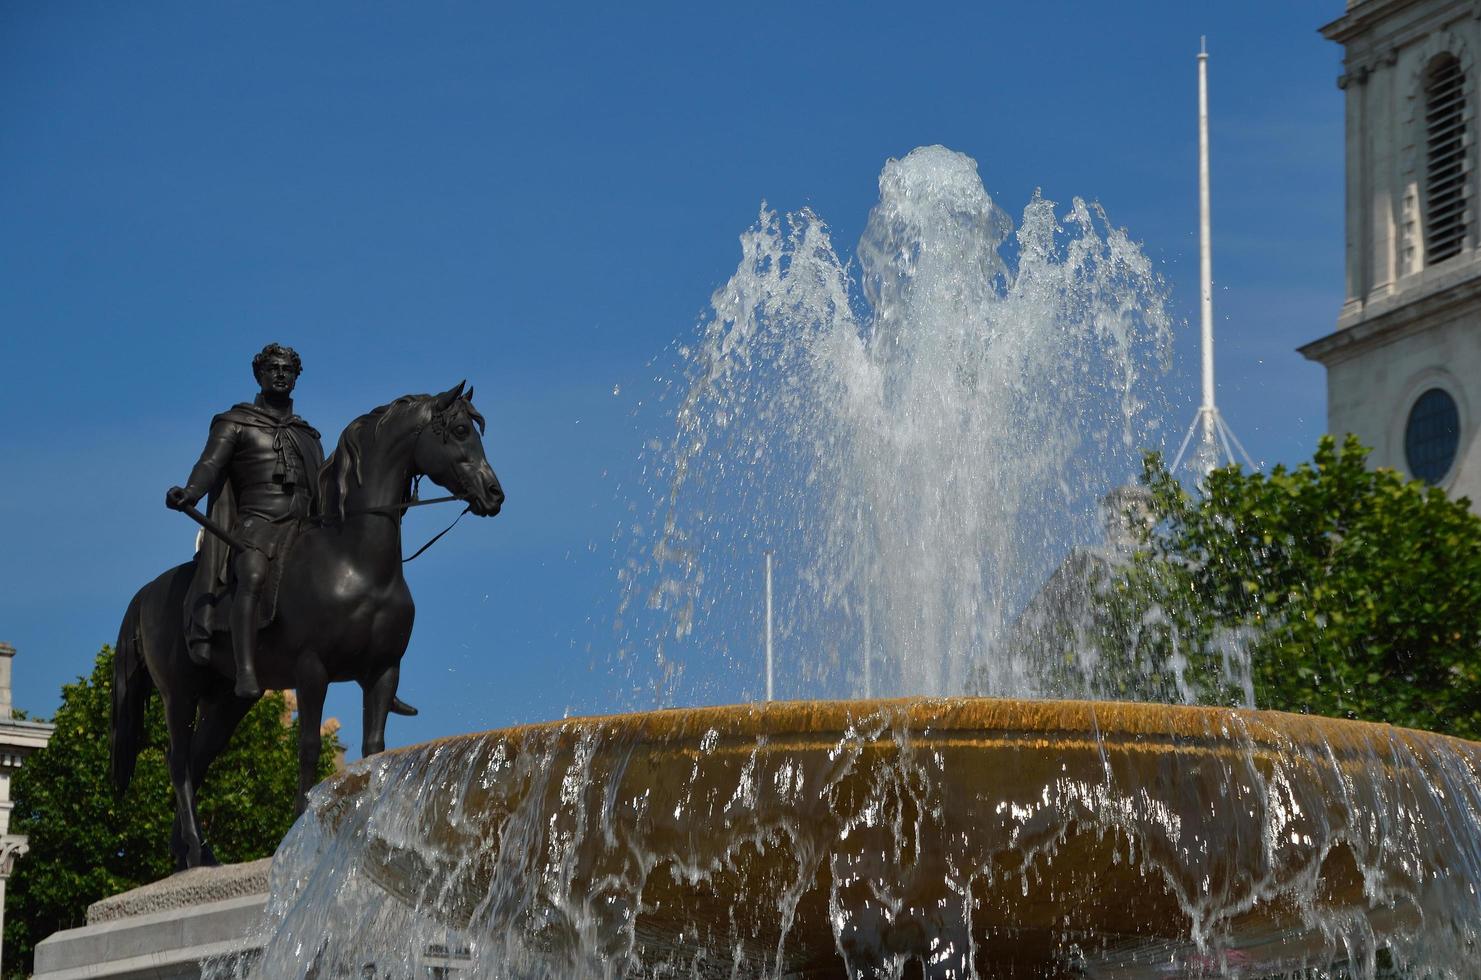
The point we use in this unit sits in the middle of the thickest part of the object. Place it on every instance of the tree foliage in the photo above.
(1356, 592)
(86, 845)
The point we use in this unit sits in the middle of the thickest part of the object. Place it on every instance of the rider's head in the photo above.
(276, 369)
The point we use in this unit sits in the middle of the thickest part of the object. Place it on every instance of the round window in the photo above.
(1432, 435)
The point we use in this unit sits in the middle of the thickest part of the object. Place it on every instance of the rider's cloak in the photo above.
(208, 603)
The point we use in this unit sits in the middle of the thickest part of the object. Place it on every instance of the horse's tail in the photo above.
(131, 688)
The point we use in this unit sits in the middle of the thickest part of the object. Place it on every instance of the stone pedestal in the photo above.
(162, 931)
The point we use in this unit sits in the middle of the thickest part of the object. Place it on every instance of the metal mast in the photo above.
(770, 689)
(1214, 433)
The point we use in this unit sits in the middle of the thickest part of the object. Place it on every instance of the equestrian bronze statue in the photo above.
(298, 580)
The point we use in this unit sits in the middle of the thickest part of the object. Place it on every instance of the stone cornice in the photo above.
(1373, 35)
(1360, 17)
(24, 737)
(1365, 15)
(1406, 314)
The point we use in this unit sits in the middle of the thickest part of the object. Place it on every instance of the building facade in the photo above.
(18, 739)
(1404, 364)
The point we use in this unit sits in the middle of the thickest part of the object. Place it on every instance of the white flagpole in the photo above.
(1208, 423)
(1205, 250)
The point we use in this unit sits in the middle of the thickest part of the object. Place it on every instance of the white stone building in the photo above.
(1404, 364)
(18, 739)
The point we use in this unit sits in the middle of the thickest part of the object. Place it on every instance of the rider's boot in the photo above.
(244, 644)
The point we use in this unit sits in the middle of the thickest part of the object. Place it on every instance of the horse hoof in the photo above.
(248, 690)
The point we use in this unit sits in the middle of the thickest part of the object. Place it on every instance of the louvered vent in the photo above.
(1446, 163)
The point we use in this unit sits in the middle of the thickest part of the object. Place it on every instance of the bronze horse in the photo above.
(344, 612)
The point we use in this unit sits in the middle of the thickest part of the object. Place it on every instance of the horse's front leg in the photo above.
(313, 683)
(379, 692)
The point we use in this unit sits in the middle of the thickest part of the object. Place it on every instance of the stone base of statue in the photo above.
(164, 930)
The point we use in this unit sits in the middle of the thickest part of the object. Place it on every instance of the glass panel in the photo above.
(1432, 435)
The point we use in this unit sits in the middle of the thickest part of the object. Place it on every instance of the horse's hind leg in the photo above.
(379, 692)
(220, 715)
(185, 842)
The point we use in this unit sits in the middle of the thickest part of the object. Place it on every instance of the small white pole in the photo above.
(1205, 249)
(769, 688)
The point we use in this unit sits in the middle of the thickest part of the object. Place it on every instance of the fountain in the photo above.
(921, 458)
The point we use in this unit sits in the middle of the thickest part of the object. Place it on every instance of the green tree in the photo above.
(1356, 592)
(85, 844)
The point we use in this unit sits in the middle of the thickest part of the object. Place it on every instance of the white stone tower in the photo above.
(1404, 364)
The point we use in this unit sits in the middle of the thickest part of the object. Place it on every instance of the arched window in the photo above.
(1446, 159)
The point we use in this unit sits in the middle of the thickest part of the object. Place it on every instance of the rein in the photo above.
(396, 510)
(439, 534)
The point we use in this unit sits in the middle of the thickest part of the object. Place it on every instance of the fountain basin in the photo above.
(945, 836)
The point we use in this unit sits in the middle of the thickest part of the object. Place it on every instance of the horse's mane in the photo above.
(341, 471)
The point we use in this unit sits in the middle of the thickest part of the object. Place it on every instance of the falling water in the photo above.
(885, 840)
(920, 438)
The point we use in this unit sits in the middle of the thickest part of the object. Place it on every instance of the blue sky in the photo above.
(540, 199)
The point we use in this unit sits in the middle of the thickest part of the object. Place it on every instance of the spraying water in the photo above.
(920, 438)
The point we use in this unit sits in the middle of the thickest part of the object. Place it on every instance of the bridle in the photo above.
(439, 423)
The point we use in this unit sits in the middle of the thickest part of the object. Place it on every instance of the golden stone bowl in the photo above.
(1025, 838)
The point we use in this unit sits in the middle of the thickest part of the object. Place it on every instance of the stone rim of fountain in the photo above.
(1024, 749)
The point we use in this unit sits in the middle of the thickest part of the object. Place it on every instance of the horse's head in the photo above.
(449, 449)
